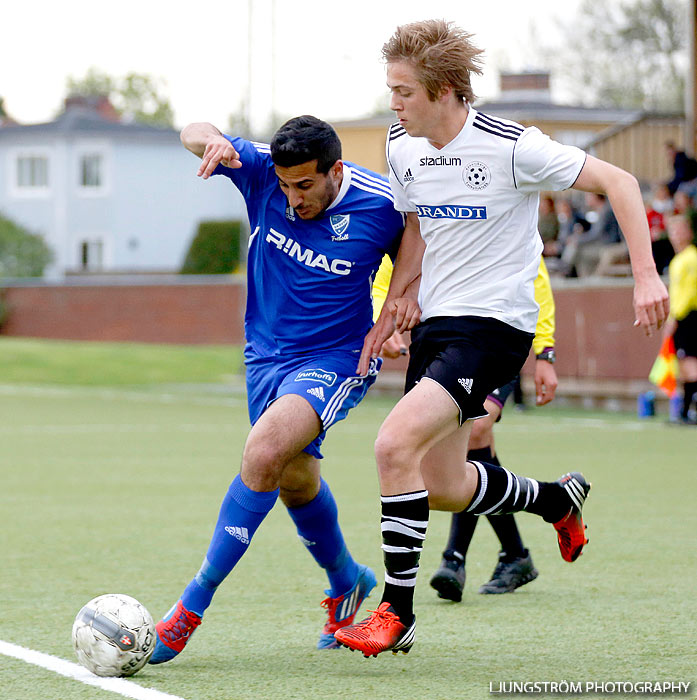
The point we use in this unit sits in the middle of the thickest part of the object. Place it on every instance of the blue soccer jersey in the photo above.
(309, 281)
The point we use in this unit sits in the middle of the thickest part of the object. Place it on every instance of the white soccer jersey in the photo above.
(477, 200)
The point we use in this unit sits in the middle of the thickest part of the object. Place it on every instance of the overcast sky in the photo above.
(325, 55)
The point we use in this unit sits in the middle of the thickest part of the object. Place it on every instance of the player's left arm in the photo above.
(543, 343)
(651, 304)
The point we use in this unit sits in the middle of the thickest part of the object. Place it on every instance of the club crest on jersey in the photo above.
(340, 223)
(316, 375)
(476, 175)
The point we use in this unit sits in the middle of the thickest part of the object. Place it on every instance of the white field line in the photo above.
(121, 428)
(553, 424)
(119, 395)
(121, 686)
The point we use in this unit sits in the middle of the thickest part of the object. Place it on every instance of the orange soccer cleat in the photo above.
(571, 532)
(382, 631)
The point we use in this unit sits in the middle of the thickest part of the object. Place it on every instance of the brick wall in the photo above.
(595, 337)
(190, 311)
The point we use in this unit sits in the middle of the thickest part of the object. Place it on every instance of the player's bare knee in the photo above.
(392, 453)
(261, 466)
(297, 494)
(298, 486)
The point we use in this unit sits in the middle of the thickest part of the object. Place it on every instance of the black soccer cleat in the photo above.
(510, 574)
(449, 580)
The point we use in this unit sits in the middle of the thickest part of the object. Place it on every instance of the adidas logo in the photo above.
(317, 391)
(466, 384)
(240, 533)
(408, 177)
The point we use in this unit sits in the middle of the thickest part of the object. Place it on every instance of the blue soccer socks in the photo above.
(318, 527)
(241, 513)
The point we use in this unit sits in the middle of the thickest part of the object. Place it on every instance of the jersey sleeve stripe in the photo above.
(395, 131)
(380, 184)
(493, 122)
(373, 190)
(494, 132)
(369, 176)
(261, 147)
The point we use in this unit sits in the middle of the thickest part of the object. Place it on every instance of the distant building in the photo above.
(107, 196)
(631, 139)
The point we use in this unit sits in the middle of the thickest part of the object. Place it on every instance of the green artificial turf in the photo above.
(108, 489)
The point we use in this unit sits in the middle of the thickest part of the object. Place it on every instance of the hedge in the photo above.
(216, 249)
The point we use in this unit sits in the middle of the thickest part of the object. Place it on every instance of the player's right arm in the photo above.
(209, 144)
(401, 309)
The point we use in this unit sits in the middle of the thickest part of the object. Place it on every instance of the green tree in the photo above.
(22, 253)
(628, 54)
(135, 95)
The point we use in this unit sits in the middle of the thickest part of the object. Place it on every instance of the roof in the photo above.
(530, 111)
(80, 121)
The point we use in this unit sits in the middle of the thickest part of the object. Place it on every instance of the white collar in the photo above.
(345, 184)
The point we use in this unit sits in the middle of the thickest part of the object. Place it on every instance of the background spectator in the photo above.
(548, 225)
(656, 211)
(584, 248)
(684, 167)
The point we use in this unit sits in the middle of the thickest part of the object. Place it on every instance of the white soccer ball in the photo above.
(114, 635)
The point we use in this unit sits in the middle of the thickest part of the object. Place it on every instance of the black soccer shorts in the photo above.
(685, 336)
(469, 356)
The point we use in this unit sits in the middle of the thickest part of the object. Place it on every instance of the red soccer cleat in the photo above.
(382, 631)
(571, 532)
(173, 633)
(342, 610)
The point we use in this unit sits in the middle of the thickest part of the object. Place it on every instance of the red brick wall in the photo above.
(153, 313)
(595, 337)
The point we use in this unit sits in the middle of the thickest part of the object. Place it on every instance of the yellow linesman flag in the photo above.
(664, 373)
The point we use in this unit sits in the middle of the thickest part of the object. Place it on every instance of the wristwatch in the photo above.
(547, 354)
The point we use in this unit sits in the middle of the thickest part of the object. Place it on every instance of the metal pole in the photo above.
(273, 65)
(691, 83)
(249, 66)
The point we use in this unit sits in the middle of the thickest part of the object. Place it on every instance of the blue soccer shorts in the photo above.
(327, 381)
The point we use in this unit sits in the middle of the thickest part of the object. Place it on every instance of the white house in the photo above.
(108, 196)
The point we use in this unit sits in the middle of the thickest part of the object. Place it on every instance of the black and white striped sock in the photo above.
(404, 522)
(501, 491)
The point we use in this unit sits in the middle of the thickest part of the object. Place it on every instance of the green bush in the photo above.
(216, 249)
(22, 254)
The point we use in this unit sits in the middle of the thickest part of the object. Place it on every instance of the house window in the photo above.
(32, 172)
(91, 254)
(91, 170)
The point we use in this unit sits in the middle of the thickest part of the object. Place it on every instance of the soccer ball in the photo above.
(114, 635)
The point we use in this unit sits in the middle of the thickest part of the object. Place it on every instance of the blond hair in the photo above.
(441, 53)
